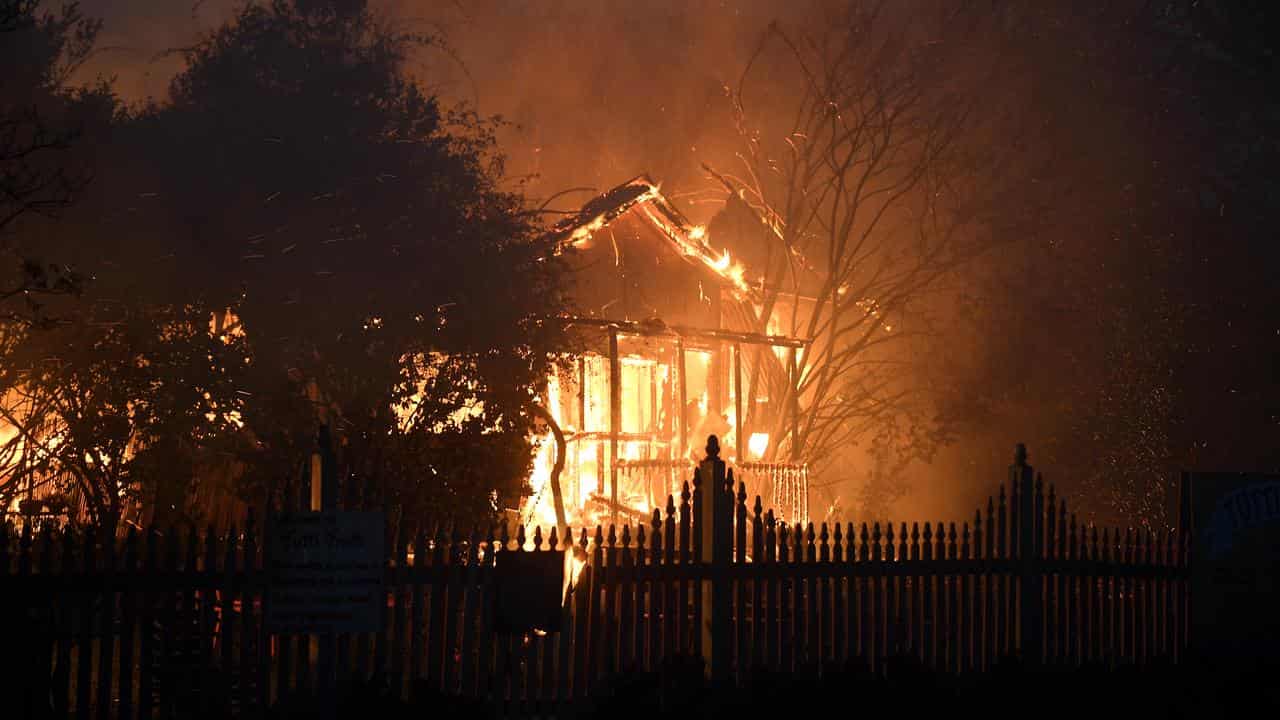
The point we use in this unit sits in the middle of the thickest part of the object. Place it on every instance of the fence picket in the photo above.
(465, 594)
(643, 601)
(965, 629)
(457, 561)
(1164, 585)
(1107, 616)
(546, 673)
(599, 590)
(625, 600)
(670, 603)
(1003, 599)
(897, 645)
(683, 635)
(400, 618)
(809, 587)
(255, 688)
(581, 620)
(823, 587)
(128, 615)
(1074, 620)
(206, 623)
(742, 622)
(481, 591)
(657, 596)
(1063, 618)
(786, 615)
(564, 649)
(42, 656)
(106, 638)
(64, 619)
(839, 648)
(874, 587)
(84, 649)
(772, 650)
(138, 622)
(435, 628)
(226, 616)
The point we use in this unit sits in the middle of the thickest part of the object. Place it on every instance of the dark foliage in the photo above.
(44, 163)
(377, 275)
(356, 228)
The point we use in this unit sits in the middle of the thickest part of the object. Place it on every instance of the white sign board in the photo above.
(325, 572)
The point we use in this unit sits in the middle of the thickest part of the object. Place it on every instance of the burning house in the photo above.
(663, 359)
(663, 355)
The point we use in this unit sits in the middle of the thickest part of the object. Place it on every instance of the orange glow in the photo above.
(645, 451)
(692, 241)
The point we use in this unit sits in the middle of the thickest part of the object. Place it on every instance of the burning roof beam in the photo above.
(660, 329)
(689, 240)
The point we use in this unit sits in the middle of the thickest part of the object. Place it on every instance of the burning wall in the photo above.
(661, 372)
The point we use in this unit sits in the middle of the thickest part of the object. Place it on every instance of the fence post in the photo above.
(1031, 578)
(717, 547)
(326, 643)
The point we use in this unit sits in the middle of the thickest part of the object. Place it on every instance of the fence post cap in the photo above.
(713, 446)
(1020, 455)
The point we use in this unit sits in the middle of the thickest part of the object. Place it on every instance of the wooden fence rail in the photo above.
(167, 622)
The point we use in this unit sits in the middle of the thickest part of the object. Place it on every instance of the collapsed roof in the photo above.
(644, 196)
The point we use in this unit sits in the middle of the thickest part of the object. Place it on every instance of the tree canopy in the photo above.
(374, 272)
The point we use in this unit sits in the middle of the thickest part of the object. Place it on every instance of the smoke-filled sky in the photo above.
(596, 92)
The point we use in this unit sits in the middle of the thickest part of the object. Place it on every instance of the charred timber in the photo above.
(659, 329)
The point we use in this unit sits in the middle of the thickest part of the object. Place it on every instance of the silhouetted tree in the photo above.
(97, 402)
(867, 160)
(42, 119)
(356, 229)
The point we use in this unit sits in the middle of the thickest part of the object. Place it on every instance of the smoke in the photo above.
(593, 92)
(597, 91)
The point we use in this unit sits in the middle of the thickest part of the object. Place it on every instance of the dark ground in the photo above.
(1161, 690)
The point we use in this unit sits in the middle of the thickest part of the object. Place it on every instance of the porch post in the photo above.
(615, 419)
(682, 378)
(794, 406)
(739, 418)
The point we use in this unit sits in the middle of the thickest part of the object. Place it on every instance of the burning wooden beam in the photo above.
(652, 329)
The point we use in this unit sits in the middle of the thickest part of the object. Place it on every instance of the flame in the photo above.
(429, 364)
(692, 241)
(540, 506)
(582, 234)
(757, 444)
(723, 263)
(573, 564)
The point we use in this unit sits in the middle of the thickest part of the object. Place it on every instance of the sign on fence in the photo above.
(529, 591)
(1236, 563)
(325, 572)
